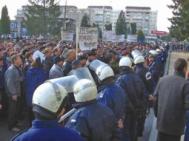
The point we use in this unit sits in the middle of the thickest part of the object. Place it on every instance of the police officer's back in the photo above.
(93, 121)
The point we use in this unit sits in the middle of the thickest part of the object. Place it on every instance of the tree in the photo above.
(140, 36)
(108, 27)
(5, 21)
(85, 22)
(121, 26)
(42, 17)
(133, 28)
(180, 20)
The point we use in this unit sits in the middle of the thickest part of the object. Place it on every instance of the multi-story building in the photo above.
(69, 16)
(145, 19)
(153, 21)
(101, 15)
(115, 15)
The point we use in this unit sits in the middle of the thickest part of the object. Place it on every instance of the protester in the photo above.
(13, 80)
(48, 62)
(172, 94)
(35, 76)
(70, 57)
(57, 71)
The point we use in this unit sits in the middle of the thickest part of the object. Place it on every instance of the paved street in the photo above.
(5, 134)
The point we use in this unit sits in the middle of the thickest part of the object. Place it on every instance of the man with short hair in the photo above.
(70, 56)
(172, 94)
(13, 79)
(56, 71)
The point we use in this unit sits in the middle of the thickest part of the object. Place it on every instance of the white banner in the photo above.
(110, 36)
(132, 38)
(67, 36)
(88, 38)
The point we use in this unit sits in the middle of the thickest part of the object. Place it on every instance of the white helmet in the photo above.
(153, 52)
(48, 96)
(139, 59)
(125, 62)
(85, 90)
(158, 50)
(104, 72)
(101, 69)
(136, 53)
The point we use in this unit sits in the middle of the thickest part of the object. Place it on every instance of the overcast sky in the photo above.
(160, 5)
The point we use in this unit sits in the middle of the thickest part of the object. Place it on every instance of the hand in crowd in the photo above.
(14, 98)
(120, 124)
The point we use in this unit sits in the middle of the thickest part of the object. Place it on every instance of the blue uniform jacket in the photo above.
(94, 122)
(47, 131)
(146, 77)
(34, 78)
(114, 97)
(134, 89)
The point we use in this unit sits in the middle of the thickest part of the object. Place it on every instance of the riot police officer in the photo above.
(146, 77)
(93, 121)
(134, 89)
(154, 66)
(48, 104)
(109, 93)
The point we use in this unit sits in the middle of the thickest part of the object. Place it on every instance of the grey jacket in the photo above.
(13, 81)
(172, 102)
(56, 72)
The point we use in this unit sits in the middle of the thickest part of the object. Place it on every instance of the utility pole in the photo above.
(44, 18)
(65, 10)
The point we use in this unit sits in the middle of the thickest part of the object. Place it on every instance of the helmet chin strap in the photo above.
(56, 89)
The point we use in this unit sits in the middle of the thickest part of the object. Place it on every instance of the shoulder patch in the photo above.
(148, 76)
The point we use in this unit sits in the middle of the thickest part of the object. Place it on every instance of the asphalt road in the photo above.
(5, 134)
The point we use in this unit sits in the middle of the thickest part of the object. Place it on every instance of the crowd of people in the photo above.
(113, 106)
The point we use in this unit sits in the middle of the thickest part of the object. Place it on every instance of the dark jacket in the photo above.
(134, 89)
(47, 64)
(67, 67)
(172, 101)
(156, 70)
(114, 97)
(34, 78)
(47, 131)
(146, 77)
(2, 78)
(94, 122)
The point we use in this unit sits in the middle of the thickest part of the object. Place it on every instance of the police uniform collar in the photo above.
(45, 123)
(83, 104)
(126, 70)
(104, 85)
